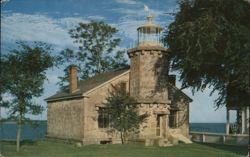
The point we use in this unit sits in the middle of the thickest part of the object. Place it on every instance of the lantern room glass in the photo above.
(149, 33)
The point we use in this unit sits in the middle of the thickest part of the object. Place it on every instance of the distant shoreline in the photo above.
(14, 122)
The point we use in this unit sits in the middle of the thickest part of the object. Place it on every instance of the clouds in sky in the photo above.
(96, 17)
(138, 12)
(126, 1)
(42, 27)
(4, 1)
(37, 27)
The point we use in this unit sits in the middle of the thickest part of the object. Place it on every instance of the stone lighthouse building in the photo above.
(80, 114)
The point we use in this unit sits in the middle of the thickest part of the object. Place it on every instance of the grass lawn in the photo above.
(59, 149)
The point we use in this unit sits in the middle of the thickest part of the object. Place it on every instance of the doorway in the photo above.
(160, 125)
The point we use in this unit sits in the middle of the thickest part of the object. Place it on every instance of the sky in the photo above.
(50, 20)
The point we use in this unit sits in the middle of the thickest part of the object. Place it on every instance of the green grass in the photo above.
(59, 149)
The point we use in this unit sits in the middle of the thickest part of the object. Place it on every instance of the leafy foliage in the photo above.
(209, 44)
(23, 75)
(124, 113)
(98, 50)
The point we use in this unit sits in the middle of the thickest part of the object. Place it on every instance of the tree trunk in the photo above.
(122, 137)
(19, 129)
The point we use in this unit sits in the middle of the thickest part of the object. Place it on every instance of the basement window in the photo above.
(105, 142)
(103, 118)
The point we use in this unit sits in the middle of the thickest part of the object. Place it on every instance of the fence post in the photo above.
(224, 139)
(203, 138)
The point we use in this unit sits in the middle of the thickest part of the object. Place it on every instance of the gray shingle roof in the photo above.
(86, 85)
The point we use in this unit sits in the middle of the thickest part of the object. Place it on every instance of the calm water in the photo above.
(208, 127)
(8, 130)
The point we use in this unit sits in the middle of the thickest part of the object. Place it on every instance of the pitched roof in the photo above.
(87, 85)
(175, 94)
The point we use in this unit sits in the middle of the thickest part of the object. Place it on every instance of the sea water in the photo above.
(208, 127)
(8, 131)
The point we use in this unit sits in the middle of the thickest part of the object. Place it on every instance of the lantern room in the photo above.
(149, 34)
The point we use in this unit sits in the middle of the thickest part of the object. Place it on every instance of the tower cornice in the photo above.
(154, 50)
(148, 48)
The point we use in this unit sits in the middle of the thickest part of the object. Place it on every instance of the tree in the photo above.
(209, 46)
(123, 110)
(22, 77)
(97, 52)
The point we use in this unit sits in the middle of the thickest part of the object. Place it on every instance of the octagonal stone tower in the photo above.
(148, 71)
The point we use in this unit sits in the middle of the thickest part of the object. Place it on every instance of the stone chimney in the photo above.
(73, 78)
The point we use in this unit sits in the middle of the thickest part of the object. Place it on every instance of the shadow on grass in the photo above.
(240, 150)
(28, 142)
